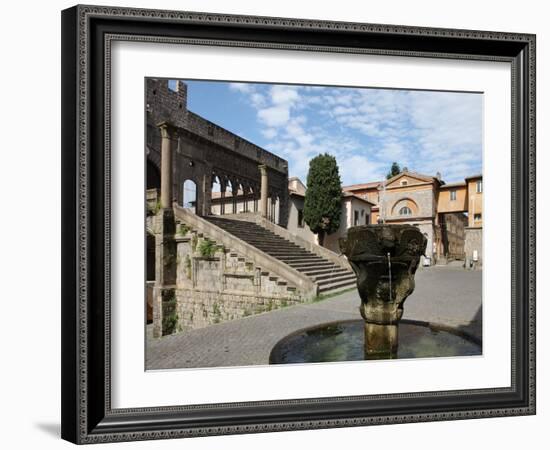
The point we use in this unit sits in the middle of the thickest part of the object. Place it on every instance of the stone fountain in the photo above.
(385, 259)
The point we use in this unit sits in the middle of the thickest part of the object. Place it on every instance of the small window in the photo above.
(453, 195)
(355, 217)
(210, 130)
(479, 186)
(404, 183)
(477, 216)
(405, 211)
(300, 218)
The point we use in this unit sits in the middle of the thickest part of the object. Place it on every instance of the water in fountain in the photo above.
(344, 341)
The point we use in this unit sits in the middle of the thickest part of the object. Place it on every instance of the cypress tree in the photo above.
(395, 170)
(323, 200)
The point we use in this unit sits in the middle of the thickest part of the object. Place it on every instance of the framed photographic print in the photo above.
(282, 224)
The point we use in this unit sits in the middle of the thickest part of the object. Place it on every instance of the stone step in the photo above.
(265, 241)
(332, 276)
(282, 248)
(302, 267)
(283, 251)
(300, 259)
(335, 270)
(283, 255)
(336, 286)
(272, 242)
(342, 278)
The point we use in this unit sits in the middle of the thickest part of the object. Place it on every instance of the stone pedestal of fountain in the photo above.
(384, 258)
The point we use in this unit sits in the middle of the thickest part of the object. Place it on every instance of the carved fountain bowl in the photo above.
(384, 258)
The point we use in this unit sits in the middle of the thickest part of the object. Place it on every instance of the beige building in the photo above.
(449, 215)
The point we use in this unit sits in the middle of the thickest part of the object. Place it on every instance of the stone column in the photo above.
(167, 134)
(164, 294)
(234, 193)
(263, 191)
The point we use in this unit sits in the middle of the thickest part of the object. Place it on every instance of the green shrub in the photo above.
(169, 316)
(207, 248)
(183, 229)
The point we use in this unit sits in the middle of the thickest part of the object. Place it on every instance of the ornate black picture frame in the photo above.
(87, 34)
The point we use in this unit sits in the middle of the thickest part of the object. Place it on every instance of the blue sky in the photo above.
(365, 129)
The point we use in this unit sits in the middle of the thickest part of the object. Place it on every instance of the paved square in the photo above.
(443, 295)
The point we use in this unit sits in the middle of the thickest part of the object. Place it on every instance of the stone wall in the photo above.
(197, 309)
(473, 242)
(427, 229)
(296, 204)
(424, 201)
(215, 284)
(453, 225)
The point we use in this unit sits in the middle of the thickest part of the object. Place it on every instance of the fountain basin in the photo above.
(345, 341)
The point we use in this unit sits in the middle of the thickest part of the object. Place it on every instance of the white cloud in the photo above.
(258, 100)
(269, 133)
(274, 116)
(368, 129)
(343, 110)
(284, 95)
(359, 169)
(243, 88)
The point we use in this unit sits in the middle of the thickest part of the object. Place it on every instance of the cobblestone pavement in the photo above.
(443, 295)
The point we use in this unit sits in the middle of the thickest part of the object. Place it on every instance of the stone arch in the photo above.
(153, 175)
(247, 196)
(402, 204)
(216, 200)
(189, 195)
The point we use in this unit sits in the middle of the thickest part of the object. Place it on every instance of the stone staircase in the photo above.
(327, 275)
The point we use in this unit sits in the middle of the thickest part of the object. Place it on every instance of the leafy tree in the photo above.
(323, 200)
(395, 170)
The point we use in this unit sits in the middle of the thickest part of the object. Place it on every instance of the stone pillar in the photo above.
(167, 133)
(283, 208)
(204, 206)
(381, 341)
(263, 191)
(164, 301)
(234, 193)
